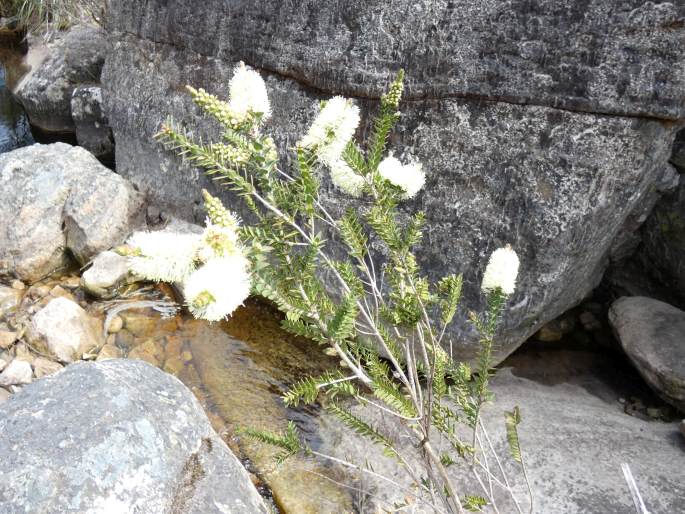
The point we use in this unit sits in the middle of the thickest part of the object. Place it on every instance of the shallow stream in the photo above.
(14, 126)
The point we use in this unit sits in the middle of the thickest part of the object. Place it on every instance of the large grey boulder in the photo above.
(56, 199)
(57, 68)
(652, 333)
(536, 126)
(116, 436)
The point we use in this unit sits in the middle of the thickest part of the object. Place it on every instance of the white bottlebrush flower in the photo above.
(218, 288)
(409, 177)
(332, 129)
(247, 92)
(501, 271)
(162, 256)
(219, 241)
(346, 179)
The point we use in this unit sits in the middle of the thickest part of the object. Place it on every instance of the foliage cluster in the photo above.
(387, 322)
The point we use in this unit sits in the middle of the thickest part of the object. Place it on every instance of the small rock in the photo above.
(4, 395)
(115, 325)
(109, 351)
(16, 373)
(38, 292)
(150, 351)
(107, 273)
(10, 299)
(7, 339)
(72, 282)
(60, 292)
(124, 339)
(145, 323)
(174, 346)
(68, 329)
(186, 356)
(21, 351)
(43, 367)
(18, 285)
(551, 332)
(590, 321)
(173, 365)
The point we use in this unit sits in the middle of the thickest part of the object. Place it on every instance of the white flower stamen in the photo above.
(247, 92)
(409, 177)
(501, 271)
(332, 129)
(163, 256)
(344, 178)
(218, 288)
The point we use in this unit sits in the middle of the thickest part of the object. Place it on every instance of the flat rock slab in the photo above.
(652, 333)
(574, 437)
(116, 436)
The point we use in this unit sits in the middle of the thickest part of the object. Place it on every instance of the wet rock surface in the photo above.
(555, 183)
(116, 436)
(55, 198)
(652, 333)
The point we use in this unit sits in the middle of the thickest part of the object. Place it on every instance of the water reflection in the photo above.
(14, 126)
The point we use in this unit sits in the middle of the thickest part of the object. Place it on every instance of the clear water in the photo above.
(14, 126)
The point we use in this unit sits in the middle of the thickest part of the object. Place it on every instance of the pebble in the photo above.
(18, 285)
(186, 356)
(590, 321)
(115, 325)
(43, 367)
(109, 351)
(149, 351)
(173, 365)
(16, 373)
(4, 395)
(124, 339)
(21, 351)
(60, 292)
(7, 339)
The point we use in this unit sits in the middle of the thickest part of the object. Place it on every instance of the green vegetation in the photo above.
(385, 320)
(50, 16)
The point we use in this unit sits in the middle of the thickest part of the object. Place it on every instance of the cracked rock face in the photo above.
(537, 126)
(116, 436)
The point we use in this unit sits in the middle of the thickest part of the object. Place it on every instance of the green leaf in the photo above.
(289, 440)
(511, 421)
(342, 325)
(449, 288)
(362, 428)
